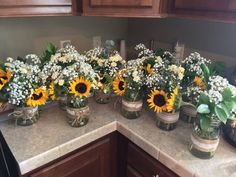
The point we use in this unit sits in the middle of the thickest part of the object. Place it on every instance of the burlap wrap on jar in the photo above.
(62, 101)
(167, 121)
(26, 115)
(188, 113)
(131, 109)
(78, 117)
(102, 98)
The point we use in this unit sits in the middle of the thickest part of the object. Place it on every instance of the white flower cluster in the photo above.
(67, 55)
(217, 85)
(134, 74)
(145, 52)
(25, 76)
(193, 63)
(177, 70)
(76, 70)
(110, 65)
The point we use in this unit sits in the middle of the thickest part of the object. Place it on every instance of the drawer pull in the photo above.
(155, 175)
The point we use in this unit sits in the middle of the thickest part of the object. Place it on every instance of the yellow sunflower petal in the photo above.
(119, 86)
(37, 98)
(80, 87)
(158, 100)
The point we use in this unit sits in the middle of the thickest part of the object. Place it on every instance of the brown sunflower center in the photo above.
(37, 97)
(4, 78)
(81, 88)
(121, 85)
(159, 100)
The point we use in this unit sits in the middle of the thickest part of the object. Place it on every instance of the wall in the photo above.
(212, 39)
(20, 36)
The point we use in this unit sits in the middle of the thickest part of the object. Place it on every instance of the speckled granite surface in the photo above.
(51, 137)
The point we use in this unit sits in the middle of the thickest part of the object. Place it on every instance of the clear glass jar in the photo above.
(205, 142)
(188, 113)
(132, 104)
(101, 97)
(229, 130)
(26, 116)
(167, 121)
(62, 101)
(78, 117)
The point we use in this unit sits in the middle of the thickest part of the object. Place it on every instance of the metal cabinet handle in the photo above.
(155, 175)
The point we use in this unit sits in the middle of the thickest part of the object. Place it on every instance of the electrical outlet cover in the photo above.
(97, 41)
(64, 43)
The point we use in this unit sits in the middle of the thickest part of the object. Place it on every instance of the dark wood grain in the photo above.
(125, 8)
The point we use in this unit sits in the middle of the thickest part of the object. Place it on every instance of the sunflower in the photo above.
(37, 98)
(5, 77)
(149, 69)
(80, 87)
(158, 100)
(2, 104)
(171, 103)
(119, 85)
(51, 91)
(199, 82)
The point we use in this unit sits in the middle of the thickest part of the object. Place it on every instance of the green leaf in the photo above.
(205, 122)
(51, 48)
(206, 72)
(231, 105)
(227, 94)
(221, 114)
(204, 99)
(203, 109)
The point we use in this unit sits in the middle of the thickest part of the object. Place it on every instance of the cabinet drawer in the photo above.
(146, 165)
(93, 161)
(214, 5)
(122, 3)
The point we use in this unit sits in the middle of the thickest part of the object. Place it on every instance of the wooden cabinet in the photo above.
(95, 160)
(220, 10)
(125, 8)
(140, 164)
(37, 8)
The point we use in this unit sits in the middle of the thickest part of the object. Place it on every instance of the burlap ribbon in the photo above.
(189, 111)
(101, 95)
(26, 113)
(168, 117)
(76, 115)
(204, 145)
(132, 106)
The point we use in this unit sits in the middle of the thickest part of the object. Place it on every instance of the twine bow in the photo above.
(26, 113)
(77, 115)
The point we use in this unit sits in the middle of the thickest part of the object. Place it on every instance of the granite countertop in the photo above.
(51, 137)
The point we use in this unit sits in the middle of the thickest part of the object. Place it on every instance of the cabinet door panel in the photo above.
(132, 172)
(93, 161)
(145, 164)
(232, 5)
(120, 3)
(214, 5)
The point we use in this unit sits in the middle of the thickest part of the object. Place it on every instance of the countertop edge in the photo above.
(59, 151)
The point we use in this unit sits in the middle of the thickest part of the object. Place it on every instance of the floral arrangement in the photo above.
(129, 81)
(106, 62)
(162, 79)
(26, 88)
(217, 102)
(5, 78)
(76, 81)
(193, 82)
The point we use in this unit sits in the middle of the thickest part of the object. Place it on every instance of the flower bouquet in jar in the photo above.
(106, 62)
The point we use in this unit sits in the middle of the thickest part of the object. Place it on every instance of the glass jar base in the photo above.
(130, 115)
(186, 118)
(81, 123)
(201, 154)
(27, 122)
(165, 126)
(102, 98)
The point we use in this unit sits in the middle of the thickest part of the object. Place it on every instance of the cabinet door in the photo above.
(131, 172)
(93, 161)
(232, 5)
(125, 8)
(145, 165)
(120, 3)
(214, 5)
(35, 7)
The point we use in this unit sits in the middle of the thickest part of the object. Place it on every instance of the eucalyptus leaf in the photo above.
(221, 114)
(204, 99)
(203, 109)
(205, 122)
(227, 94)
